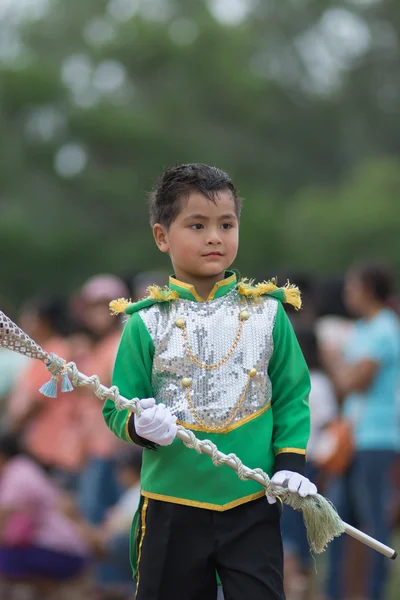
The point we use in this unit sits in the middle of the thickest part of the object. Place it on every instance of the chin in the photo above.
(212, 272)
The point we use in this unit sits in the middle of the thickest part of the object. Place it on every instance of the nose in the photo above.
(214, 237)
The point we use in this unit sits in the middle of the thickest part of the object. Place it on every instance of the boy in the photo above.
(221, 357)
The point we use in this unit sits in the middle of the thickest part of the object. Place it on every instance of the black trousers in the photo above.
(182, 547)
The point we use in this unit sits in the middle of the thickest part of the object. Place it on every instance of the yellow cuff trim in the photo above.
(206, 505)
(127, 427)
(291, 450)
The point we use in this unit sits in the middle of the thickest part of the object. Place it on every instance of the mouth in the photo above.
(213, 254)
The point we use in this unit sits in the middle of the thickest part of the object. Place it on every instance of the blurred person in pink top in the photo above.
(99, 488)
(37, 541)
(51, 428)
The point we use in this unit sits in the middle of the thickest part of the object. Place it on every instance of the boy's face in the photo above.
(203, 239)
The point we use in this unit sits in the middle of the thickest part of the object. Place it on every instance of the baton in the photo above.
(13, 338)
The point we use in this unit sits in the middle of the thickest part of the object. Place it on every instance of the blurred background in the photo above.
(297, 100)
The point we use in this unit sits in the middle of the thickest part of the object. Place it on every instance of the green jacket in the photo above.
(273, 438)
(278, 436)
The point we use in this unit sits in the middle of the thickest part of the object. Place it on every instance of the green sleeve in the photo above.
(290, 381)
(132, 375)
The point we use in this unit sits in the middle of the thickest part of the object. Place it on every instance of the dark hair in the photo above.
(309, 346)
(377, 278)
(177, 182)
(51, 308)
(329, 297)
(9, 445)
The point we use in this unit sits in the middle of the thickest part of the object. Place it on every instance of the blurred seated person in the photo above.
(37, 541)
(119, 517)
(51, 429)
(111, 539)
(323, 409)
(99, 489)
(118, 523)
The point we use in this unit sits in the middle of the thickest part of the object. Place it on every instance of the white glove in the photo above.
(295, 483)
(156, 423)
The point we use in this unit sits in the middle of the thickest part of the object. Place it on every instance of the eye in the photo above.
(227, 225)
(197, 226)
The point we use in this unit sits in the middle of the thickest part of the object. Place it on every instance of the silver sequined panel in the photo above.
(211, 328)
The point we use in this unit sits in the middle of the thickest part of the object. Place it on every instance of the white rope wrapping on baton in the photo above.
(320, 517)
(121, 403)
(321, 520)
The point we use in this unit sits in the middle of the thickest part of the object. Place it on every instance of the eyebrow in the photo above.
(204, 218)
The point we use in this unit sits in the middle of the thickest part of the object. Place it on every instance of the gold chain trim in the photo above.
(200, 421)
(181, 323)
(186, 383)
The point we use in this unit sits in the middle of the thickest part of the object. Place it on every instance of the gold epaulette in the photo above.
(289, 293)
(155, 294)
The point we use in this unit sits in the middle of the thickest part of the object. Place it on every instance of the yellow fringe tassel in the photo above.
(292, 293)
(162, 294)
(118, 306)
(247, 288)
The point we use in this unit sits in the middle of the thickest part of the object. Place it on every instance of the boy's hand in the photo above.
(295, 483)
(156, 423)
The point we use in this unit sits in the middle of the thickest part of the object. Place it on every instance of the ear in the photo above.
(161, 237)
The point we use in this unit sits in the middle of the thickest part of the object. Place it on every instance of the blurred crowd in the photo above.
(69, 488)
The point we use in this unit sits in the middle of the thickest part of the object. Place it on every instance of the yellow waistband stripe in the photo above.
(206, 505)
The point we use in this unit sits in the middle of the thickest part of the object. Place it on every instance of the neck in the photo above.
(202, 285)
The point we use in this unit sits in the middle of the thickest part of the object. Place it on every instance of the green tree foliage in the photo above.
(297, 100)
(354, 221)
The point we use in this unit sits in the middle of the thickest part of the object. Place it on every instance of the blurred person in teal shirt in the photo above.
(366, 378)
